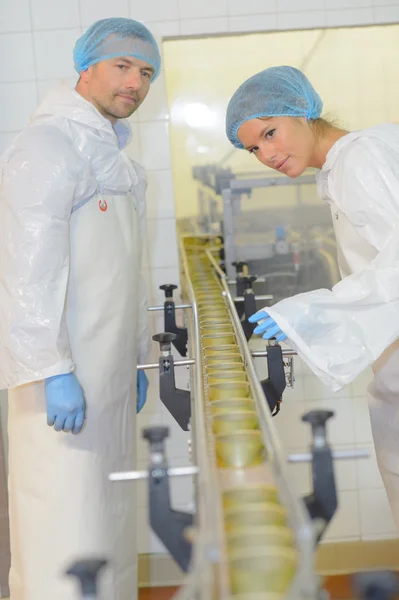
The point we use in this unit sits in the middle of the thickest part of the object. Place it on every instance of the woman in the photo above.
(340, 332)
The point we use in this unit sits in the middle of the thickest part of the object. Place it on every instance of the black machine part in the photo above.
(241, 270)
(376, 585)
(180, 341)
(87, 573)
(177, 401)
(322, 503)
(275, 384)
(249, 305)
(168, 524)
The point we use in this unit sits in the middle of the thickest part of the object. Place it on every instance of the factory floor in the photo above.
(338, 586)
(165, 593)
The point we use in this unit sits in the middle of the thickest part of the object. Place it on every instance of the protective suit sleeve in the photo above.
(340, 332)
(144, 341)
(37, 182)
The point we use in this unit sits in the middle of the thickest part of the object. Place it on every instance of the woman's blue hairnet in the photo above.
(274, 92)
(111, 38)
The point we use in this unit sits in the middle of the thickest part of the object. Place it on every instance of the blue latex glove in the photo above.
(142, 387)
(66, 406)
(269, 327)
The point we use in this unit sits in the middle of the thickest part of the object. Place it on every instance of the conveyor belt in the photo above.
(253, 534)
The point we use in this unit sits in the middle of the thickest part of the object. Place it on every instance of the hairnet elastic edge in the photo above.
(233, 137)
(157, 70)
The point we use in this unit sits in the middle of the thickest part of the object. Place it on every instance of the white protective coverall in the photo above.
(72, 212)
(340, 332)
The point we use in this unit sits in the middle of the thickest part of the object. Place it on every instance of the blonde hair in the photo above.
(321, 125)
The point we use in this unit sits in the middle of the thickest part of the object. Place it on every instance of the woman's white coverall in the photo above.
(340, 332)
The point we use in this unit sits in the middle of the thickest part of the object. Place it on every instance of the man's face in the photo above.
(116, 86)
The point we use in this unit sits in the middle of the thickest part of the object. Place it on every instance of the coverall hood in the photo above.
(62, 101)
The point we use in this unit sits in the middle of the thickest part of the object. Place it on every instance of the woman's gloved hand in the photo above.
(267, 326)
(142, 387)
(65, 402)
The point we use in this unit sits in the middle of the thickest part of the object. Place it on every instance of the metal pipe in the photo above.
(230, 254)
(193, 470)
(279, 274)
(218, 270)
(336, 454)
(242, 299)
(154, 308)
(263, 353)
(179, 363)
(135, 475)
(257, 280)
(209, 528)
(244, 184)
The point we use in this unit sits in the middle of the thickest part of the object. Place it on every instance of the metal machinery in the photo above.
(250, 537)
(275, 224)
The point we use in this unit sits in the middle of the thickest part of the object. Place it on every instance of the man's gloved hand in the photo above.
(142, 387)
(268, 326)
(66, 406)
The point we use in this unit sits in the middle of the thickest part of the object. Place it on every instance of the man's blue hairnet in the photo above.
(111, 38)
(274, 92)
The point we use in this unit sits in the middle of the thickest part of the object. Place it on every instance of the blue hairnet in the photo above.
(111, 38)
(274, 92)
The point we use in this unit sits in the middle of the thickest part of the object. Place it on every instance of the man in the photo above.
(73, 318)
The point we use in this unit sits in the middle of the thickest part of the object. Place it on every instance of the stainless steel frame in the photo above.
(231, 197)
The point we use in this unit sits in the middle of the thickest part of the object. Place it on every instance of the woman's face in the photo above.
(286, 144)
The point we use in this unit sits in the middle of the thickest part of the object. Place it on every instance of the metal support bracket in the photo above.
(322, 503)
(180, 341)
(275, 384)
(168, 524)
(176, 401)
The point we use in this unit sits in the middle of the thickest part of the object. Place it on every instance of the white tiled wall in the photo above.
(37, 37)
